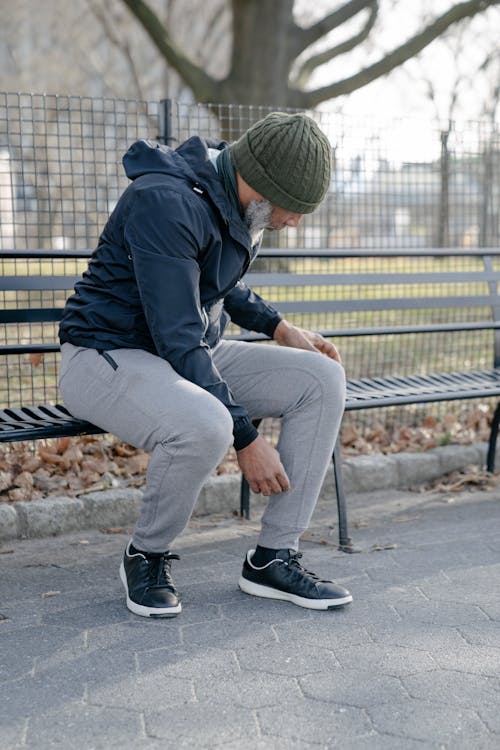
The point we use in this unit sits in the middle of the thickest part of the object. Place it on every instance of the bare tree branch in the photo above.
(215, 30)
(193, 75)
(260, 62)
(119, 41)
(216, 20)
(306, 37)
(310, 65)
(410, 48)
(490, 58)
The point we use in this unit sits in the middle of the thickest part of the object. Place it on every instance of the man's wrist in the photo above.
(244, 433)
(271, 325)
(281, 330)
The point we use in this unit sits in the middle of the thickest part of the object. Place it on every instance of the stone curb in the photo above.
(119, 507)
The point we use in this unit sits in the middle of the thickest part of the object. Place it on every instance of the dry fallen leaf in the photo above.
(138, 464)
(31, 464)
(35, 359)
(49, 457)
(94, 465)
(124, 450)
(405, 519)
(450, 420)
(5, 480)
(89, 477)
(24, 480)
(349, 434)
(73, 455)
(19, 494)
(114, 530)
(62, 444)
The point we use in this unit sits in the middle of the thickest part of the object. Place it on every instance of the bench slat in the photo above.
(379, 252)
(29, 349)
(409, 303)
(367, 393)
(54, 314)
(32, 315)
(381, 330)
(346, 279)
(37, 283)
(44, 421)
(34, 432)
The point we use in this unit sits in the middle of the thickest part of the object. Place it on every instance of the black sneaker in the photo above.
(150, 589)
(285, 578)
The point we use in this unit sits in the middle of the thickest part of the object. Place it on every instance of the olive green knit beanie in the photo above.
(287, 159)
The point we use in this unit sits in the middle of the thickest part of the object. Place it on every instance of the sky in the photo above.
(403, 95)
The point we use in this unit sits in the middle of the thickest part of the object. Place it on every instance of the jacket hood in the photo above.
(145, 157)
(190, 162)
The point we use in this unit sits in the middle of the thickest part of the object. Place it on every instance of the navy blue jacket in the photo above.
(165, 276)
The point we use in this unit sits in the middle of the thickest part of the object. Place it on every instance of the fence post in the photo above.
(165, 121)
(443, 238)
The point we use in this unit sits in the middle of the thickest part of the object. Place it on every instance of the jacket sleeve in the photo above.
(248, 310)
(163, 244)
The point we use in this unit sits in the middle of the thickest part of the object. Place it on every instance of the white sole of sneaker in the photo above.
(256, 589)
(139, 609)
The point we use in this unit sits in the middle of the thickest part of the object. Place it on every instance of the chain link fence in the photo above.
(398, 184)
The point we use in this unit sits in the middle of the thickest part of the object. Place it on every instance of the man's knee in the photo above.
(216, 428)
(333, 375)
(333, 386)
(324, 376)
(323, 383)
(208, 431)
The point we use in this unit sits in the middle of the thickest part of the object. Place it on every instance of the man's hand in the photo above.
(289, 335)
(262, 468)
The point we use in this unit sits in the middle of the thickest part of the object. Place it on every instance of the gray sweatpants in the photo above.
(143, 401)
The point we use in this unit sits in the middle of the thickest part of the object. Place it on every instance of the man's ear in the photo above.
(246, 193)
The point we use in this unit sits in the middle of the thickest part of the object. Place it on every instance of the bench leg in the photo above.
(345, 543)
(244, 499)
(244, 487)
(490, 460)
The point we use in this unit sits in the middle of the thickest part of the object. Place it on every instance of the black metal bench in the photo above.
(313, 288)
(440, 284)
(32, 305)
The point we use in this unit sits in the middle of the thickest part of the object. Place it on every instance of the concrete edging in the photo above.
(119, 507)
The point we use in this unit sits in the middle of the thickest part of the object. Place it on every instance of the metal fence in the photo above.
(403, 183)
(399, 184)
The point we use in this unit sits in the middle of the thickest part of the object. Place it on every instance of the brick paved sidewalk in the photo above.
(413, 663)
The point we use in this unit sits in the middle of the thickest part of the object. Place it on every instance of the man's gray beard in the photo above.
(257, 217)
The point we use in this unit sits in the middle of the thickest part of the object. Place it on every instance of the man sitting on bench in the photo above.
(142, 355)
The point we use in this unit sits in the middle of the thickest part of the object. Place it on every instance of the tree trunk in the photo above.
(266, 43)
(263, 36)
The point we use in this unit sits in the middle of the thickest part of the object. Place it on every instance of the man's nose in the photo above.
(294, 221)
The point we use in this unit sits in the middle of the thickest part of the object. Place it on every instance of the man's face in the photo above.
(261, 214)
(281, 219)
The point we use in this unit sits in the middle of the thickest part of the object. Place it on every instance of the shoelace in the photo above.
(160, 570)
(294, 565)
